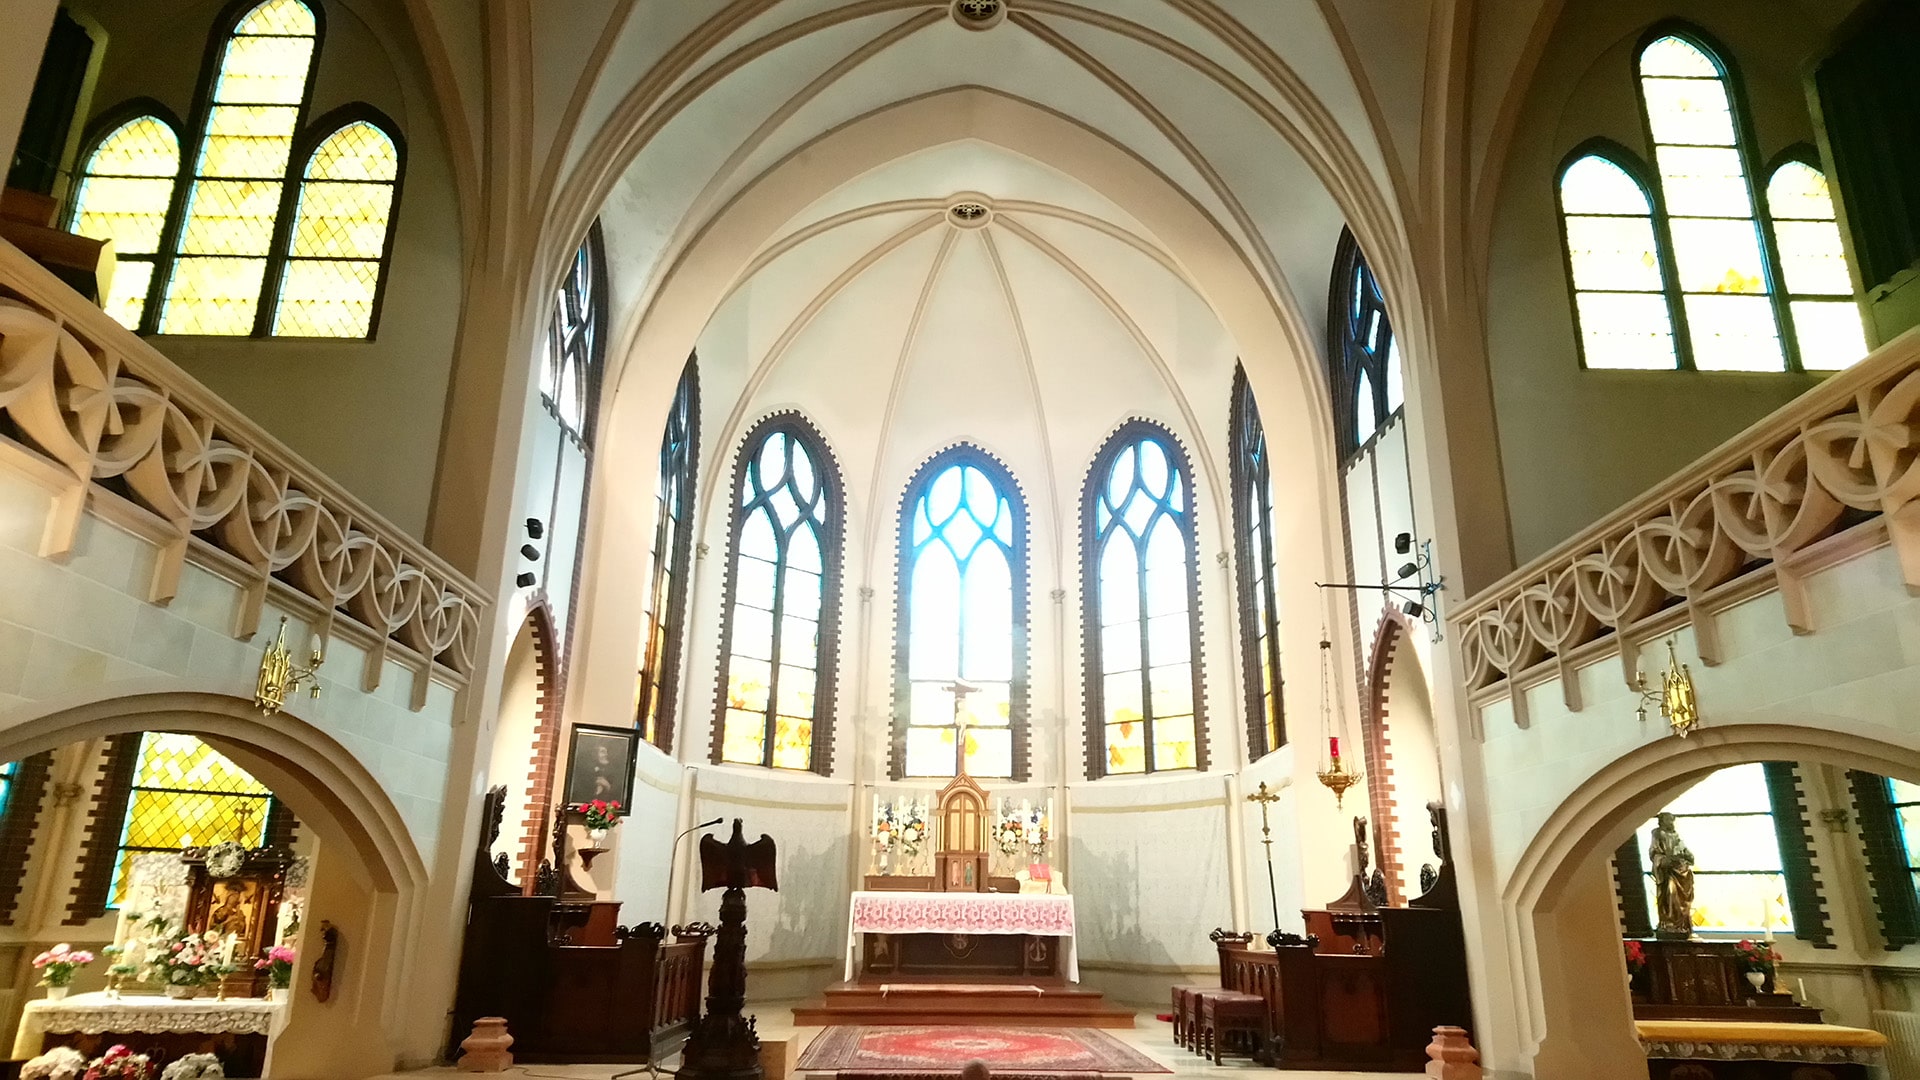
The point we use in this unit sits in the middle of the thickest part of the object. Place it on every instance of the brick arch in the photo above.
(549, 667)
(1376, 732)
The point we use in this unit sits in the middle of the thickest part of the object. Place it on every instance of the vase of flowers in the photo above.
(913, 829)
(277, 962)
(120, 1063)
(57, 966)
(1636, 956)
(59, 1063)
(601, 816)
(190, 963)
(194, 1067)
(1756, 962)
(1010, 833)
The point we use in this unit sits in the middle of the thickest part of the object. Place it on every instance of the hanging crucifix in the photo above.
(960, 690)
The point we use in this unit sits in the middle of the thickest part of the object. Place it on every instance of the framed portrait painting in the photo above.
(600, 765)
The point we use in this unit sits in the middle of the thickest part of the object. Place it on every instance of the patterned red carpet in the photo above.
(932, 1053)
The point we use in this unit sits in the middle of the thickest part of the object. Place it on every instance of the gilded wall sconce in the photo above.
(279, 677)
(1679, 707)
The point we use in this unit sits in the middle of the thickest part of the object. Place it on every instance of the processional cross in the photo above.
(1267, 798)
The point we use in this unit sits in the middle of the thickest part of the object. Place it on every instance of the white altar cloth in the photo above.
(93, 1014)
(1042, 914)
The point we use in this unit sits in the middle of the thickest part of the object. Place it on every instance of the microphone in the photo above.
(673, 860)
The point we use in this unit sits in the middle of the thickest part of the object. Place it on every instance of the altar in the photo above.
(236, 1029)
(1004, 935)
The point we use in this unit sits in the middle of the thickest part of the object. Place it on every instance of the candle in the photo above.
(1766, 906)
(1333, 746)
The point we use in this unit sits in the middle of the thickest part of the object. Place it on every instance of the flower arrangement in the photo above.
(885, 830)
(194, 960)
(1756, 956)
(913, 828)
(1036, 831)
(1010, 833)
(120, 1062)
(1636, 959)
(194, 1067)
(59, 1063)
(601, 814)
(277, 962)
(58, 965)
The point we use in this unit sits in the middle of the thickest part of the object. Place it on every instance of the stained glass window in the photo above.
(1726, 820)
(1813, 268)
(1367, 386)
(569, 378)
(1905, 798)
(1619, 288)
(6, 783)
(1144, 697)
(239, 174)
(1253, 521)
(338, 243)
(776, 670)
(672, 552)
(964, 610)
(185, 794)
(124, 193)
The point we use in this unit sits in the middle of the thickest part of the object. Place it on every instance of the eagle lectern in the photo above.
(724, 1045)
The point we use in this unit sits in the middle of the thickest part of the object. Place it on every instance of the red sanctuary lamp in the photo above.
(1334, 771)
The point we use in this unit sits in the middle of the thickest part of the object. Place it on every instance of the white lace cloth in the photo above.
(1041, 914)
(96, 1014)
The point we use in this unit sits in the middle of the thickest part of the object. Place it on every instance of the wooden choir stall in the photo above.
(572, 984)
(1362, 990)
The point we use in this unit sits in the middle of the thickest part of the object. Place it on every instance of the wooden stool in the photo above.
(1195, 1000)
(1226, 1013)
(1182, 1011)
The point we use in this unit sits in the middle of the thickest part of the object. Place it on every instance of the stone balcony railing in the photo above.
(1760, 512)
(104, 419)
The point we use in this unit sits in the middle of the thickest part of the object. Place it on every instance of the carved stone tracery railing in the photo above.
(108, 410)
(1764, 497)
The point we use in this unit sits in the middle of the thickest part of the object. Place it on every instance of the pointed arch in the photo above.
(779, 623)
(1363, 356)
(962, 582)
(131, 170)
(1140, 597)
(1617, 265)
(658, 692)
(1257, 588)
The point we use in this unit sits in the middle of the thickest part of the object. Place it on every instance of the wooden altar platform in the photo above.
(991, 1001)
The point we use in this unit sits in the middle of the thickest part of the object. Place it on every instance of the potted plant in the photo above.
(190, 963)
(1636, 955)
(120, 1063)
(57, 966)
(277, 962)
(602, 815)
(1756, 961)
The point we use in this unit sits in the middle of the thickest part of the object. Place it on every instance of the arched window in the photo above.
(1813, 266)
(1727, 822)
(1366, 380)
(185, 794)
(1258, 572)
(672, 554)
(1140, 588)
(1619, 285)
(570, 376)
(779, 628)
(962, 621)
(125, 189)
(6, 783)
(256, 97)
(342, 231)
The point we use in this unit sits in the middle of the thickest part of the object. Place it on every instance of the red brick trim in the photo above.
(1376, 734)
(24, 796)
(106, 818)
(549, 677)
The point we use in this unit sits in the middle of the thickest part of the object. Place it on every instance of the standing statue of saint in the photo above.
(1672, 866)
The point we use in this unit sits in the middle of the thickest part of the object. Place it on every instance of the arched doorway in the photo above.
(368, 882)
(1561, 915)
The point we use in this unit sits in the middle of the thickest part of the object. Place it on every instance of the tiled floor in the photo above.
(1150, 1036)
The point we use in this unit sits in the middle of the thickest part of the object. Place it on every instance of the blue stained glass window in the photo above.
(7, 769)
(1144, 701)
(1906, 809)
(964, 613)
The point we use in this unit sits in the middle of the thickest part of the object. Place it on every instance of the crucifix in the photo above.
(960, 690)
(1267, 798)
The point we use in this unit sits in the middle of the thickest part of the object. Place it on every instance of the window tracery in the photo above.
(1253, 520)
(672, 558)
(570, 373)
(963, 619)
(1366, 379)
(1141, 606)
(779, 628)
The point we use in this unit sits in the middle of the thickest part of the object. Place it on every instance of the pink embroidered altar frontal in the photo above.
(1042, 914)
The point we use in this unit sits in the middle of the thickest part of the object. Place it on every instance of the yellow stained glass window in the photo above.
(1813, 265)
(961, 547)
(339, 236)
(125, 191)
(1620, 300)
(672, 549)
(1143, 604)
(186, 794)
(771, 663)
(1717, 252)
(239, 174)
(1726, 821)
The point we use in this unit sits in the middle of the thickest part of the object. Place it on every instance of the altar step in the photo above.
(954, 1001)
